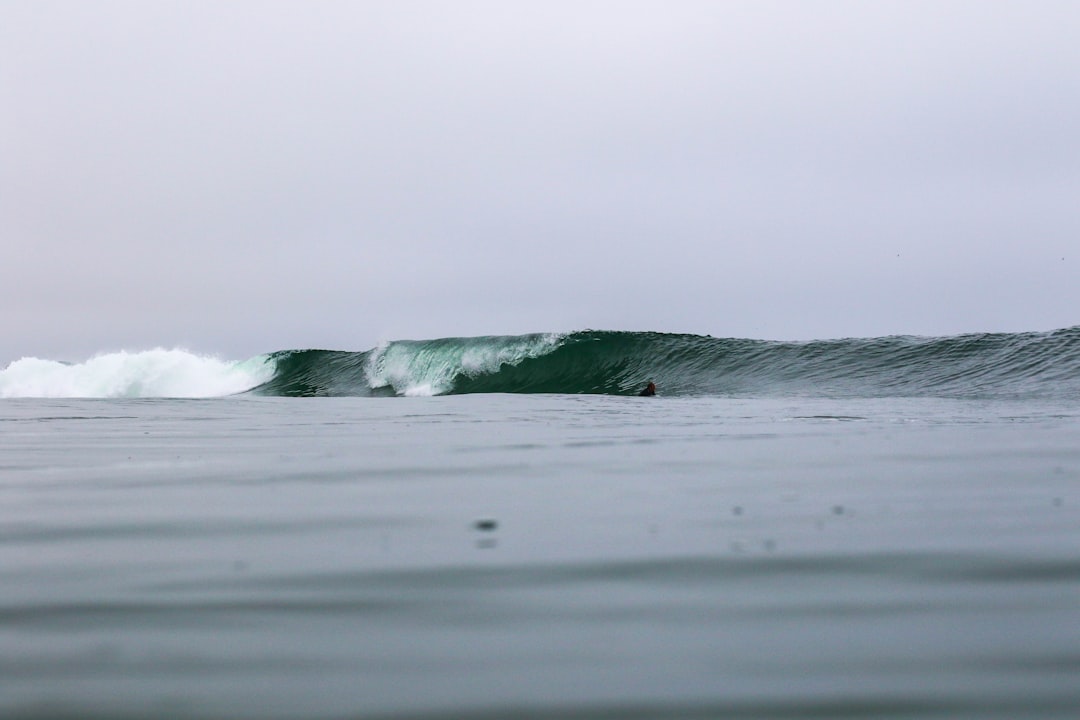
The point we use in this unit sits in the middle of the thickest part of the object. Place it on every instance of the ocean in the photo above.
(500, 527)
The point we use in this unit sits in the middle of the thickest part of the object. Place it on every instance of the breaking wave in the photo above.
(615, 363)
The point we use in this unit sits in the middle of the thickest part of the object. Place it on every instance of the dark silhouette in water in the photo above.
(649, 390)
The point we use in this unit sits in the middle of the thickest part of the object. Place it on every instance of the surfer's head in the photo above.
(650, 389)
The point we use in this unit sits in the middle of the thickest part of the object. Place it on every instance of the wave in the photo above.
(615, 363)
(621, 363)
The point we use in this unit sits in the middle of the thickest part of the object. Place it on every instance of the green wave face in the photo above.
(622, 363)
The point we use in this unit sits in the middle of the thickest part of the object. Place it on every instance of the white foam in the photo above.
(151, 373)
(429, 368)
(410, 373)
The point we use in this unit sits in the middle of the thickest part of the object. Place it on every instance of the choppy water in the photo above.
(580, 556)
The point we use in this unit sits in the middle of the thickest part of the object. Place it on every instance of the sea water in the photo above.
(544, 556)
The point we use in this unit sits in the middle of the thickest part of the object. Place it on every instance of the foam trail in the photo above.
(151, 373)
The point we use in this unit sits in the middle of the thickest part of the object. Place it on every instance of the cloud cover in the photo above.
(250, 176)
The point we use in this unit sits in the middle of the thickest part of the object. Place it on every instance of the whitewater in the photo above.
(151, 373)
(587, 362)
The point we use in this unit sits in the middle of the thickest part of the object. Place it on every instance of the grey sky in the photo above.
(244, 177)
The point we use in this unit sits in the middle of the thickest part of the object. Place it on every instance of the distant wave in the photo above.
(613, 363)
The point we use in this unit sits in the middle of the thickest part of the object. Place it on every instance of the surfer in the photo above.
(649, 390)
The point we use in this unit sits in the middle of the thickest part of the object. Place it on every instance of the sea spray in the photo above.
(433, 367)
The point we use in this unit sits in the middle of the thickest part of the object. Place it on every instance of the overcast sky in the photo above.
(241, 177)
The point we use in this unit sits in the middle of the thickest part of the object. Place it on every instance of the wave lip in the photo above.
(151, 373)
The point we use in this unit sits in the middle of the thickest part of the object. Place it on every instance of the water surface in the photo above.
(539, 555)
